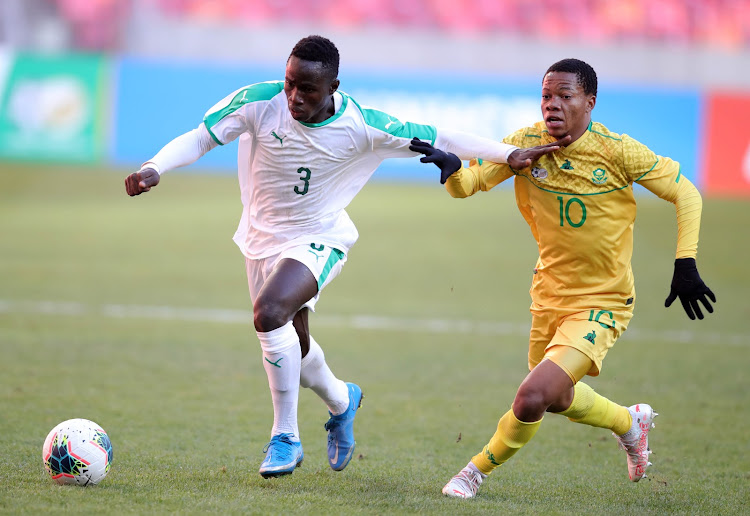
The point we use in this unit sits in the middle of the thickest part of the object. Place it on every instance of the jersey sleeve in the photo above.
(478, 176)
(235, 114)
(183, 150)
(391, 137)
(639, 161)
(468, 146)
(664, 178)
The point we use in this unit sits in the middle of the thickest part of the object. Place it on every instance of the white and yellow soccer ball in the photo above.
(77, 452)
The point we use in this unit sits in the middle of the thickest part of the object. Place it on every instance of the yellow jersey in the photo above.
(579, 204)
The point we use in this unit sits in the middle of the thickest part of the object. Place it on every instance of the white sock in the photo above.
(316, 375)
(281, 360)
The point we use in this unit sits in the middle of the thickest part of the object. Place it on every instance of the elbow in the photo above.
(460, 184)
(455, 190)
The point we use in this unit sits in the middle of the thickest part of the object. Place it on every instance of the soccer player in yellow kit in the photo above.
(579, 204)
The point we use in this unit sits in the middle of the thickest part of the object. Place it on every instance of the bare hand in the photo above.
(522, 158)
(141, 181)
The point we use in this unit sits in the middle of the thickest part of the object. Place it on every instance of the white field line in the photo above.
(358, 322)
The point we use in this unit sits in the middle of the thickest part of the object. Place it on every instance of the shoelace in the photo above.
(333, 420)
(328, 426)
(281, 451)
(468, 481)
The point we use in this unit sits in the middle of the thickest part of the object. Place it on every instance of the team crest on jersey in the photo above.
(599, 176)
(539, 173)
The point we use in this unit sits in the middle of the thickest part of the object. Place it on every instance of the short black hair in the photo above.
(319, 50)
(584, 71)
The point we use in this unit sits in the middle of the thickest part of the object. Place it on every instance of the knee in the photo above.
(562, 403)
(530, 403)
(269, 314)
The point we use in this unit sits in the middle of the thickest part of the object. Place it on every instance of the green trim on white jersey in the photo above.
(252, 93)
(393, 126)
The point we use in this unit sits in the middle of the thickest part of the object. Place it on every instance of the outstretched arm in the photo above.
(183, 150)
(468, 146)
(522, 158)
(448, 162)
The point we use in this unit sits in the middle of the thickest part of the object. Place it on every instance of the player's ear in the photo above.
(592, 102)
(334, 86)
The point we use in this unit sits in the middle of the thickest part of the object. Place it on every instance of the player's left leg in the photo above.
(630, 425)
(342, 399)
(579, 347)
(586, 406)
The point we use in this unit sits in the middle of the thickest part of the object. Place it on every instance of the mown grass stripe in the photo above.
(358, 321)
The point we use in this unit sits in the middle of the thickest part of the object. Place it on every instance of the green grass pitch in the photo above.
(134, 312)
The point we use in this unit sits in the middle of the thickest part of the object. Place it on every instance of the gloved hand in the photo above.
(447, 162)
(689, 287)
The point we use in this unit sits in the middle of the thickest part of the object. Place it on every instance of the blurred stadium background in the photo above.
(111, 81)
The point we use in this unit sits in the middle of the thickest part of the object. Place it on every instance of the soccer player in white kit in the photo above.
(305, 150)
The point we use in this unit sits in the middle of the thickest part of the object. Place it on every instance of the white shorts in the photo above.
(324, 262)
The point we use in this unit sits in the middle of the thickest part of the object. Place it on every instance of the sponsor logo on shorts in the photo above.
(317, 256)
(314, 248)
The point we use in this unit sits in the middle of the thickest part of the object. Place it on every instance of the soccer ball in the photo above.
(78, 452)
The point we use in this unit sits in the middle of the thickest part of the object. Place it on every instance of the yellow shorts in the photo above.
(592, 332)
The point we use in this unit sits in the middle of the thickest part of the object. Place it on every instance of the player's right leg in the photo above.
(545, 384)
(279, 288)
(283, 456)
(466, 483)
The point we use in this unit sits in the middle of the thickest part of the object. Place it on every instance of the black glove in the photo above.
(447, 162)
(689, 287)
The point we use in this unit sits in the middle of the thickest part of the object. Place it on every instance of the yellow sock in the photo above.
(593, 409)
(511, 435)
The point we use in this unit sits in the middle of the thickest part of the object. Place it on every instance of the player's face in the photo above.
(565, 107)
(309, 89)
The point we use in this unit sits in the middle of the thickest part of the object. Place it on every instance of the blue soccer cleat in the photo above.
(341, 431)
(282, 456)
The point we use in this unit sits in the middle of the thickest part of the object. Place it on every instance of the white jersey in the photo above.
(296, 179)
